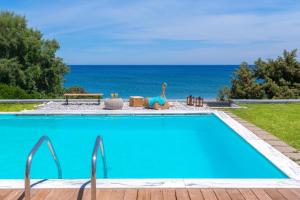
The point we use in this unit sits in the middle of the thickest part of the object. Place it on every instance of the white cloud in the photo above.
(233, 29)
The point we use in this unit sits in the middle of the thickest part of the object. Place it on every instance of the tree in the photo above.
(244, 84)
(278, 78)
(75, 90)
(26, 59)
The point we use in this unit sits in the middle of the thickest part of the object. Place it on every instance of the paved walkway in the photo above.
(156, 194)
(281, 146)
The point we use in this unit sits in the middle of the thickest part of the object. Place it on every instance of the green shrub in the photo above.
(273, 79)
(75, 90)
(13, 92)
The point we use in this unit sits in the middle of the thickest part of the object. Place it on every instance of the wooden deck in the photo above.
(156, 194)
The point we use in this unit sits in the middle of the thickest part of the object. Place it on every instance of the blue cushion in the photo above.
(160, 100)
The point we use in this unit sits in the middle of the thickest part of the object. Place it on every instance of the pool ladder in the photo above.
(29, 159)
(98, 145)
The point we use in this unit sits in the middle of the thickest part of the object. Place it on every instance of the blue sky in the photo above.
(164, 31)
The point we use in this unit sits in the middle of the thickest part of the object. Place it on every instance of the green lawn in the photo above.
(282, 120)
(14, 107)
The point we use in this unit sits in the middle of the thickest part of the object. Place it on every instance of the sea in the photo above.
(146, 80)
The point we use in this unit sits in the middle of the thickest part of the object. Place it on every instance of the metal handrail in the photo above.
(98, 144)
(29, 159)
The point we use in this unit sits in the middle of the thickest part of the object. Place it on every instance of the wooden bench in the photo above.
(98, 95)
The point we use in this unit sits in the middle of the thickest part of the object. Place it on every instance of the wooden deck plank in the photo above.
(182, 194)
(117, 194)
(72, 194)
(62, 194)
(169, 194)
(261, 194)
(208, 194)
(274, 194)
(195, 194)
(235, 194)
(156, 195)
(40, 194)
(130, 194)
(4, 193)
(104, 194)
(144, 194)
(13, 195)
(248, 194)
(222, 194)
(85, 194)
(288, 194)
(296, 191)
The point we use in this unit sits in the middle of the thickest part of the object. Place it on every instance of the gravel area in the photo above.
(92, 107)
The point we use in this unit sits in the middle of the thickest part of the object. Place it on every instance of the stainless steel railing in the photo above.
(98, 144)
(29, 159)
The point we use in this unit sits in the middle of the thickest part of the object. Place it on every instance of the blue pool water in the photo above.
(146, 80)
(186, 146)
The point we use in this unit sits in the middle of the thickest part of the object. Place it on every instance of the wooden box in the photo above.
(136, 101)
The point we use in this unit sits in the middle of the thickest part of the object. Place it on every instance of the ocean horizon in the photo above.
(146, 80)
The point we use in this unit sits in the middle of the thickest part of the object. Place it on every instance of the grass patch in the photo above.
(14, 107)
(282, 120)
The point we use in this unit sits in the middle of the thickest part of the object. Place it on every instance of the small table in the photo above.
(98, 95)
(136, 101)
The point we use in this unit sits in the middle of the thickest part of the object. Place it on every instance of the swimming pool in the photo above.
(168, 146)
